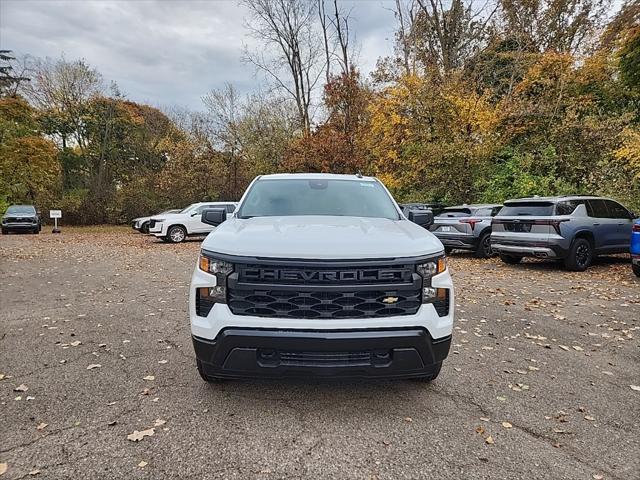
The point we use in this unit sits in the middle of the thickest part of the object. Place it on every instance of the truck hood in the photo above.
(321, 237)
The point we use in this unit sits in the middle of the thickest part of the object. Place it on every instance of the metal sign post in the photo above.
(55, 214)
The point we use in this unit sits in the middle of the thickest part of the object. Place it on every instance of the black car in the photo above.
(435, 207)
(21, 218)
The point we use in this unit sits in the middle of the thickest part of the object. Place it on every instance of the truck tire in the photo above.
(176, 234)
(636, 270)
(483, 250)
(510, 259)
(5, 231)
(36, 231)
(144, 228)
(206, 377)
(432, 377)
(580, 255)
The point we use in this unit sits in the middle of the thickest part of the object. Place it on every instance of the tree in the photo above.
(10, 80)
(29, 167)
(565, 26)
(287, 28)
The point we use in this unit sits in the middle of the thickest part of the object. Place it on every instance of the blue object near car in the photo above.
(635, 247)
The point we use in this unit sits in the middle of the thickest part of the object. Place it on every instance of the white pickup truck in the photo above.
(175, 227)
(320, 275)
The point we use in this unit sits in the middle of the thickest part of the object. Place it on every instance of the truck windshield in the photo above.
(536, 209)
(287, 197)
(21, 210)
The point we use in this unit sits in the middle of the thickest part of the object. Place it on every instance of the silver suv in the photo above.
(570, 228)
(466, 227)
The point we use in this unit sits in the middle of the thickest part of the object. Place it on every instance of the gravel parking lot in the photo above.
(542, 382)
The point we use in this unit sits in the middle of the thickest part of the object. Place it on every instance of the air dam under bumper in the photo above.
(265, 353)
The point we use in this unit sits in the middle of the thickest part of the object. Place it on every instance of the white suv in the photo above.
(320, 275)
(175, 227)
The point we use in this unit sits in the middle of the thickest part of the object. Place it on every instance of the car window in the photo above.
(21, 210)
(616, 210)
(482, 212)
(495, 210)
(231, 208)
(567, 207)
(455, 212)
(536, 209)
(597, 209)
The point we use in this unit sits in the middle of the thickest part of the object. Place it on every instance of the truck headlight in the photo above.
(427, 270)
(221, 270)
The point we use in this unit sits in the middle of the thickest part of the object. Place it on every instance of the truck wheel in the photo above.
(176, 234)
(510, 259)
(636, 270)
(5, 231)
(432, 377)
(580, 255)
(204, 376)
(144, 228)
(36, 231)
(483, 250)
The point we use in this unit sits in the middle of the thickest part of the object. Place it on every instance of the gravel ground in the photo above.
(542, 380)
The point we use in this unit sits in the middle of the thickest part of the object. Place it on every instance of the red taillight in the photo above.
(636, 227)
(470, 221)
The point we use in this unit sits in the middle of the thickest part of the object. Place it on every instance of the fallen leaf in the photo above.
(34, 472)
(149, 377)
(1, 376)
(589, 417)
(42, 426)
(136, 436)
(480, 429)
(564, 347)
(142, 464)
(21, 388)
(489, 440)
(577, 348)
(93, 365)
(635, 388)
(76, 343)
(162, 362)
(506, 425)
(597, 476)
(159, 423)
(408, 419)
(502, 399)
(3, 468)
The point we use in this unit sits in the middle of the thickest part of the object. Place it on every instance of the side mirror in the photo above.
(424, 218)
(214, 216)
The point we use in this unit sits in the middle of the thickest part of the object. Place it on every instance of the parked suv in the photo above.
(635, 248)
(570, 228)
(466, 227)
(142, 223)
(21, 218)
(435, 207)
(176, 227)
(320, 275)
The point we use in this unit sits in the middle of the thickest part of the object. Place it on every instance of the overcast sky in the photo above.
(165, 52)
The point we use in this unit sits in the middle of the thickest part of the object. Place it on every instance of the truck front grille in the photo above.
(362, 303)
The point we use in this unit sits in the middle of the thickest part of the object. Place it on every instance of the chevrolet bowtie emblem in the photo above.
(389, 300)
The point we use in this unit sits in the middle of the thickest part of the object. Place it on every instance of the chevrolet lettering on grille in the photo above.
(325, 276)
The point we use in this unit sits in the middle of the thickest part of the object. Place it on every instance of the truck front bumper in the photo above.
(271, 353)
